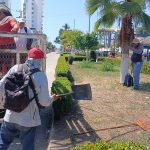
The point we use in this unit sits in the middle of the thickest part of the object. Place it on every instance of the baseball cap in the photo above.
(21, 20)
(36, 53)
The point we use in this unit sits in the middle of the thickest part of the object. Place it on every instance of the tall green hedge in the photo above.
(62, 69)
(115, 60)
(76, 58)
(61, 85)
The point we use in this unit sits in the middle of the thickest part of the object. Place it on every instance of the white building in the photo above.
(32, 11)
(6, 2)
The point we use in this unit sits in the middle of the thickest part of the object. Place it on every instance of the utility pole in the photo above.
(74, 24)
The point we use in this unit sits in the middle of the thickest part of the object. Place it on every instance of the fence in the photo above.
(10, 56)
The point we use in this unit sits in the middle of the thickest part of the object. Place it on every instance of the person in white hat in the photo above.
(137, 62)
(23, 43)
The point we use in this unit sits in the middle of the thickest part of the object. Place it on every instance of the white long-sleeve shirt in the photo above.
(22, 42)
(29, 117)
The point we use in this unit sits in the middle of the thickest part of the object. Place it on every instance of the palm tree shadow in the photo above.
(65, 128)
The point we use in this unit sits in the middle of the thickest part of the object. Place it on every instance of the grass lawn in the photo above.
(113, 109)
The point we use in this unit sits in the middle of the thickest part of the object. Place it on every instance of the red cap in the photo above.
(35, 53)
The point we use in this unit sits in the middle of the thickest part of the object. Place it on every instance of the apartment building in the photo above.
(32, 11)
(6, 2)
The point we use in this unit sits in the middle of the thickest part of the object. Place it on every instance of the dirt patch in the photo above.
(110, 115)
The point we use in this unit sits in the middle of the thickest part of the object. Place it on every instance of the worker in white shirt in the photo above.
(23, 43)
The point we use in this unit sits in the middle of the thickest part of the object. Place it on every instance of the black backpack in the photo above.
(16, 89)
(128, 80)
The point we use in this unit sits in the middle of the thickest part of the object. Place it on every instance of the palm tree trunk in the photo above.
(126, 37)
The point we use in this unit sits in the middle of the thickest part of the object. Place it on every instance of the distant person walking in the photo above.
(29, 119)
(23, 43)
(7, 25)
(137, 62)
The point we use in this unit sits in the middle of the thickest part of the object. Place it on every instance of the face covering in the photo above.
(34, 63)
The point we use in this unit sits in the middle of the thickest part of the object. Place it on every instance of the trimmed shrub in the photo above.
(60, 86)
(107, 66)
(66, 53)
(70, 60)
(93, 56)
(86, 64)
(79, 58)
(101, 59)
(110, 146)
(115, 61)
(146, 68)
(76, 58)
(62, 69)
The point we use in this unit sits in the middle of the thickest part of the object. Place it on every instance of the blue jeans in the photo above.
(136, 68)
(10, 130)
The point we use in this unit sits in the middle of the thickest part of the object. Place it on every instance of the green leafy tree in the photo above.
(64, 28)
(68, 37)
(86, 41)
(57, 40)
(91, 41)
(126, 11)
(79, 42)
(50, 47)
(61, 31)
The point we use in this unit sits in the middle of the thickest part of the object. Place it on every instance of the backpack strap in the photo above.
(20, 68)
(34, 91)
(25, 29)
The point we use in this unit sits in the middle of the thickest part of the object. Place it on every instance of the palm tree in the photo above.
(57, 40)
(130, 12)
(66, 26)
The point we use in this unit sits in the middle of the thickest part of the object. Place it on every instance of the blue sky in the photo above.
(59, 12)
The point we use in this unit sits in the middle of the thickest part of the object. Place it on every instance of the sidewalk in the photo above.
(41, 142)
(51, 62)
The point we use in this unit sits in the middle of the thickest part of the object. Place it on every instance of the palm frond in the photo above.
(144, 19)
(107, 21)
(128, 8)
(111, 8)
(93, 5)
